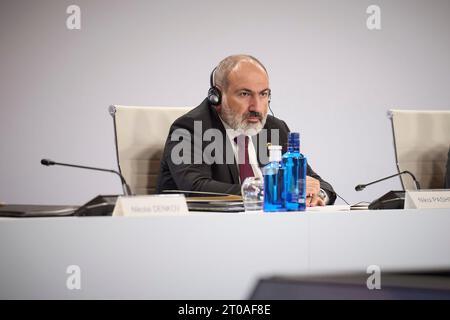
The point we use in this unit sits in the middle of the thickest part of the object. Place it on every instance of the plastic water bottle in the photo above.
(274, 181)
(295, 175)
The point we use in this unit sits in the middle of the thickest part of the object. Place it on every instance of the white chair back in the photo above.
(421, 142)
(141, 134)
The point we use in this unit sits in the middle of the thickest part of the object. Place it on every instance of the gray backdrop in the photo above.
(332, 79)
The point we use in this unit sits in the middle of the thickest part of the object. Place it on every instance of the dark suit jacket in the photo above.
(220, 176)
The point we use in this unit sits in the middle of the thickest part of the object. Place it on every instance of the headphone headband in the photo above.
(215, 95)
(211, 78)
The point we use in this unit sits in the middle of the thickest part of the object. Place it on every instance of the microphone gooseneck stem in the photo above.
(125, 187)
(362, 186)
(382, 179)
(83, 167)
(414, 178)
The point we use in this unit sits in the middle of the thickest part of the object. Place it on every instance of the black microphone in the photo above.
(125, 186)
(360, 187)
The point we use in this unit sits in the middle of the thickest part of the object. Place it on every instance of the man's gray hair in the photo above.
(225, 66)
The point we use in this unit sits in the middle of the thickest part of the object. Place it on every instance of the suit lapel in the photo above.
(232, 167)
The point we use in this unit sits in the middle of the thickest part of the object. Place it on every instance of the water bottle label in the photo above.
(301, 184)
(302, 191)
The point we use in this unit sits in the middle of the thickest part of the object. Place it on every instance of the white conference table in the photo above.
(210, 255)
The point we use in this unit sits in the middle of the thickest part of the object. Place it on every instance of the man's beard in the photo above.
(239, 123)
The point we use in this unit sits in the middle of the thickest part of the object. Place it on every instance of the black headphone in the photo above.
(214, 94)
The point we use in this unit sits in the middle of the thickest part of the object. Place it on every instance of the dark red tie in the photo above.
(245, 169)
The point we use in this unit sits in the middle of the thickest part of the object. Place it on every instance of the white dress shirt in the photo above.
(231, 134)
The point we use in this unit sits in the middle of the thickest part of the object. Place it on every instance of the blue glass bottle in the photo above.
(294, 175)
(274, 181)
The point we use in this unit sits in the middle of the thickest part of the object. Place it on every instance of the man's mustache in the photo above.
(253, 114)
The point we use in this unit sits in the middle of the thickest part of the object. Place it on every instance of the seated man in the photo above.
(231, 123)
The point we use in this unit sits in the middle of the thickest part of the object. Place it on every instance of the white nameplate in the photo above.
(427, 199)
(140, 206)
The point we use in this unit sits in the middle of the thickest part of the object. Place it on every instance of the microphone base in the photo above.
(390, 200)
(99, 206)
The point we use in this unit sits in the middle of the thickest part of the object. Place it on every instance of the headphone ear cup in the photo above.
(214, 96)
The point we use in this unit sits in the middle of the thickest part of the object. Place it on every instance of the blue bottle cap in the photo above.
(294, 139)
